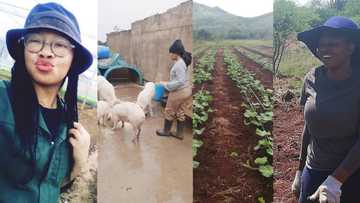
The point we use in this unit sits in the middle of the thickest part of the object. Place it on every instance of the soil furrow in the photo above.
(265, 76)
(227, 144)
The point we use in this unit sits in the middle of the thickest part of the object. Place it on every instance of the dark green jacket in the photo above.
(53, 159)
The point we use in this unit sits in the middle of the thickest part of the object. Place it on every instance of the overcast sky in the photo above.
(244, 8)
(121, 13)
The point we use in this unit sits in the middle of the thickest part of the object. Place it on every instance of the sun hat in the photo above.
(339, 24)
(54, 17)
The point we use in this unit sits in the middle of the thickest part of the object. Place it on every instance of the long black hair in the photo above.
(178, 48)
(186, 56)
(25, 106)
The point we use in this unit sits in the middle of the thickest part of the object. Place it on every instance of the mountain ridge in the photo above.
(214, 22)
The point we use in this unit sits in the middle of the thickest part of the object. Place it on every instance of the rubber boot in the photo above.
(179, 130)
(166, 130)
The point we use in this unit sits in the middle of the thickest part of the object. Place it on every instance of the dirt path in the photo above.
(220, 176)
(265, 76)
(159, 169)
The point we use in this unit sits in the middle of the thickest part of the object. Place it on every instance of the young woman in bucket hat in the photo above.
(329, 168)
(41, 144)
(180, 90)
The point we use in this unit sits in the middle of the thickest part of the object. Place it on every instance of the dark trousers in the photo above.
(312, 179)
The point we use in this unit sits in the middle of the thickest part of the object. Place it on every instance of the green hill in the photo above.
(213, 22)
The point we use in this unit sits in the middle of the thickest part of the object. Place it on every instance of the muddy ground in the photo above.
(220, 176)
(158, 169)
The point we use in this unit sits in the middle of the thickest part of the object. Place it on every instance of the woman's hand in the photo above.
(328, 192)
(163, 83)
(80, 141)
(296, 185)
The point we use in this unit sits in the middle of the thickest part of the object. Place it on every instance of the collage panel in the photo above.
(316, 117)
(144, 64)
(48, 131)
(232, 102)
(179, 101)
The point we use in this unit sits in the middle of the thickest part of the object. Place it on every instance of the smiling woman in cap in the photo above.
(329, 169)
(42, 146)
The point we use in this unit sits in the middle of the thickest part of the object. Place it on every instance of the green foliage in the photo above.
(201, 100)
(261, 200)
(351, 9)
(195, 145)
(201, 108)
(258, 109)
(289, 18)
(203, 68)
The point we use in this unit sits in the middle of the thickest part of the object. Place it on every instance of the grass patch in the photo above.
(297, 61)
(200, 44)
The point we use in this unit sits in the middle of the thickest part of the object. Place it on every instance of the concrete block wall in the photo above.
(147, 44)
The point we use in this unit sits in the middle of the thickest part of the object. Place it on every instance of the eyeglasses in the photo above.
(60, 47)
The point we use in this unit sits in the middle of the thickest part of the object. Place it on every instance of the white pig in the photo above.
(145, 97)
(128, 112)
(106, 91)
(103, 109)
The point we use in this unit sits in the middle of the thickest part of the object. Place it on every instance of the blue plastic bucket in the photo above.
(159, 92)
(103, 52)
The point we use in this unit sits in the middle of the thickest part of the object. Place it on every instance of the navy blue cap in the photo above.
(53, 17)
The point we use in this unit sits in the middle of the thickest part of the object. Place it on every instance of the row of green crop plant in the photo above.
(258, 104)
(201, 110)
(199, 49)
(201, 99)
(204, 66)
(265, 62)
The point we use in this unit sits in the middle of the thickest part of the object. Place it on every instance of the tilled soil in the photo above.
(265, 49)
(288, 126)
(265, 52)
(220, 176)
(265, 76)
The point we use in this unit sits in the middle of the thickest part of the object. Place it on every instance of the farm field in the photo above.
(232, 122)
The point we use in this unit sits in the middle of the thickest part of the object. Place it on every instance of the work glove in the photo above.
(328, 192)
(296, 185)
(80, 141)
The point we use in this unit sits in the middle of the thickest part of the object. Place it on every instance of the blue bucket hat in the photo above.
(54, 17)
(340, 24)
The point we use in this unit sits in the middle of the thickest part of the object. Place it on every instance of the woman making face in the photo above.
(329, 167)
(48, 58)
(42, 146)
